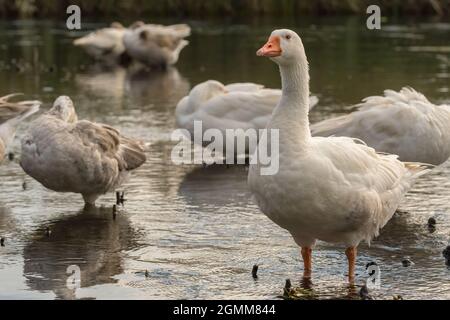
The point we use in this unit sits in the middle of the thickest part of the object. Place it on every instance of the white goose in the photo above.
(156, 45)
(332, 189)
(234, 106)
(105, 44)
(404, 123)
(67, 155)
(11, 114)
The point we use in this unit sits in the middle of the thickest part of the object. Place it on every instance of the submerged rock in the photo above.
(364, 293)
(255, 271)
(287, 290)
(446, 253)
(120, 198)
(432, 222)
(407, 262)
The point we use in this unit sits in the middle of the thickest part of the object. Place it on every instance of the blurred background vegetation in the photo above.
(200, 8)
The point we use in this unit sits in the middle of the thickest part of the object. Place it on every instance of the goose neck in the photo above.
(291, 115)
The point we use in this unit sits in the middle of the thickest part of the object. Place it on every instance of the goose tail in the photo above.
(418, 169)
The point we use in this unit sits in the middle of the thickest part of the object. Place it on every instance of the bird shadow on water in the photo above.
(91, 239)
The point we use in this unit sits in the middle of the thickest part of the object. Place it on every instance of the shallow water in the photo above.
(196, 230)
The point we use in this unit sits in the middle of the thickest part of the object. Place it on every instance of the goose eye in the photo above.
(288, 36)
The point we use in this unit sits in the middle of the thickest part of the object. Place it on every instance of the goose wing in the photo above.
(108, 142)
(368, 184)
(102, 41)
(396, 123)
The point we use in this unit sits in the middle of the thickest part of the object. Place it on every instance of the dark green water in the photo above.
(195, 230)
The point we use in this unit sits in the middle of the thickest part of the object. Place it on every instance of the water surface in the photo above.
(196, 230)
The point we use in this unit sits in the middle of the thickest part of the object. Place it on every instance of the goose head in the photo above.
(64, 109)
(283, 47)
(206, 90)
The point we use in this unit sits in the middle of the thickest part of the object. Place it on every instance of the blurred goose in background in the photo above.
(156, 45)
(105, 44)
(234, 106)
(11, 114)
(404, 123)
(334, 189)
(67, 155)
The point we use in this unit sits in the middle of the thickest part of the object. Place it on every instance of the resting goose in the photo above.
(404, 123)
(105, 44)
(234, 106)
(156, 45)
(68, 155)
(11, 114)
(333, 189)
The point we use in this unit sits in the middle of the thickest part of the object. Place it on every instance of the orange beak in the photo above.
(271, 49)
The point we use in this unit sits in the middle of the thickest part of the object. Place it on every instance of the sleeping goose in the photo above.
(334, 189)
(404, 123)
(105, 44)
(68, 155)
(234, 106)
(11, 114)
(156, 45)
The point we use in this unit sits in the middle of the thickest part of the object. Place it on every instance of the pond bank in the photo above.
(199, 8)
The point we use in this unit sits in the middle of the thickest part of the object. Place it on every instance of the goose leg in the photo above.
(307, 261)
(351, 256)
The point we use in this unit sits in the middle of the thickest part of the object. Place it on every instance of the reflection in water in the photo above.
(145, 85)
(90, 239)
(103, 81)
(216, 184)
(7, 222)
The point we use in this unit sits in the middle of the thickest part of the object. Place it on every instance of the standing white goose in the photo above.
(234, 106)
(404, 123)
(67, 155)
(331, 189)
(156, 45)
(105, 44)
(11, 114)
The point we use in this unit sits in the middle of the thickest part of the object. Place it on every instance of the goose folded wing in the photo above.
(361, 165)
(110, 143)
(104, 40)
